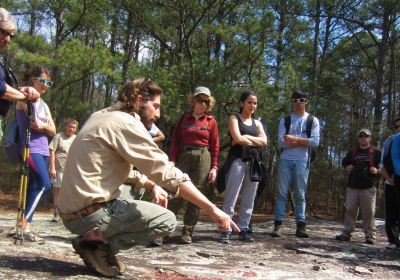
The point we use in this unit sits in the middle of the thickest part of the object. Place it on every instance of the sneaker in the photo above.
(97, 256)
(342, 237)
(246, 235)
(224, 238)
(392, 246)
(369, 240)
(31, 237)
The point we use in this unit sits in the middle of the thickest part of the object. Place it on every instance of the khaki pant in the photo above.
(196, 163)
(363, 199)
(125, 223)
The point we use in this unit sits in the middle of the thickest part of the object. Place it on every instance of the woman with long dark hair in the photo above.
(247, 137)
(42, 126)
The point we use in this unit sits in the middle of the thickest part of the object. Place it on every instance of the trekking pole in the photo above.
(23, 181)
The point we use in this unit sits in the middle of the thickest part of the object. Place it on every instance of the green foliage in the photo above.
(268, 46)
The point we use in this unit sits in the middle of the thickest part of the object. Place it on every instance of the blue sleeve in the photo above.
(3, 85)
(314, 139)
(281, 133)
(385, 150)
(396, 154)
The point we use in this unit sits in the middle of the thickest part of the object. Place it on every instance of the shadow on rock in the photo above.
(46, 265)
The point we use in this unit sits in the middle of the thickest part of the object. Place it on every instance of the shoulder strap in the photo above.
(353, 155)
(371, 152)
(10, 77)
(310, 120)
(287, 123)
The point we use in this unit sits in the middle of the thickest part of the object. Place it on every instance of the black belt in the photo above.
(192, 147)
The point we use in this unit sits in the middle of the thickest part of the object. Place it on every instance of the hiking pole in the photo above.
(23, 181)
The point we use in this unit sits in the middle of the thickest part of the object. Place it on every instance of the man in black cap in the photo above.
(362, 165)
(298, 133)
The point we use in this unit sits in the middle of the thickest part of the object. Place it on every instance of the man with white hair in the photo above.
(8, 82)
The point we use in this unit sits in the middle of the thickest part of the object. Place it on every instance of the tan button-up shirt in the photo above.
(102, 156)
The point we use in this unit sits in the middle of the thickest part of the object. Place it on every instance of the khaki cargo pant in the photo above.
(196, 163)
(125, 222)
(365, 200)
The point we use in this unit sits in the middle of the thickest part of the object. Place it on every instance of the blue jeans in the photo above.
(292, 173)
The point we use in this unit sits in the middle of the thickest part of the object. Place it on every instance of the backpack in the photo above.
(11, 145)
(371, 151)
(12, 139)
(310, 120)
(387, 160)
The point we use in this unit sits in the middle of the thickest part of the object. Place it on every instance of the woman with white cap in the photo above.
(195, 150)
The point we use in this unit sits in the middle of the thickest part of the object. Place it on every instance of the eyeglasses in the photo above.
(301, 100)
(203, 101)
(6, 33)
(363, 136)
(44, 81)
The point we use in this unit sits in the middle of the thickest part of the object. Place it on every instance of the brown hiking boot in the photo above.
(277, 230)
(186, 237)
(96, 256)
(113, 261)
(301, 231)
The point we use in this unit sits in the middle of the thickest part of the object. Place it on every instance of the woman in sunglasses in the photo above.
(42, 126)
(247, 137)
(195, 150)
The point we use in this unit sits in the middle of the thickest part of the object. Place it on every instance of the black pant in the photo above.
(392, 208)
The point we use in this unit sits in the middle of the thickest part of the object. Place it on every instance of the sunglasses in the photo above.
(396, 126)
(203, 101)
(363, 136)
(44, 81)
(6, 33)
(301, 100)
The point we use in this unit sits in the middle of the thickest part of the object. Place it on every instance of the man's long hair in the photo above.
(143, 87)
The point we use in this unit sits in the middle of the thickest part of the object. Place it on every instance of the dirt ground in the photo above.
(320, 257)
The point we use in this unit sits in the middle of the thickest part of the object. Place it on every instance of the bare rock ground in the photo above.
(320, 257)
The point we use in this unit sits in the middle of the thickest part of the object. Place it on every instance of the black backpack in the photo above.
(310, 120)
(387, 160)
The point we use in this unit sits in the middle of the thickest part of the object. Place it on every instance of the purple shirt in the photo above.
(39, 143)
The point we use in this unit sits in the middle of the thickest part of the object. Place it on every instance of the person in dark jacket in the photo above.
(362, 165)
(8, 84)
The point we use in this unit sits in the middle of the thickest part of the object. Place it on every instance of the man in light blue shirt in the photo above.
(392, 193)
(294, 163)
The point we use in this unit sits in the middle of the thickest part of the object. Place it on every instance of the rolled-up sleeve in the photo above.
(136, 146)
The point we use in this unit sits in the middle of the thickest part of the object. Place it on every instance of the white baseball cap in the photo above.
(203, 90)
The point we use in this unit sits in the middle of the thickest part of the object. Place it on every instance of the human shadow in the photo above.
(349, 253)
(56, 268)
